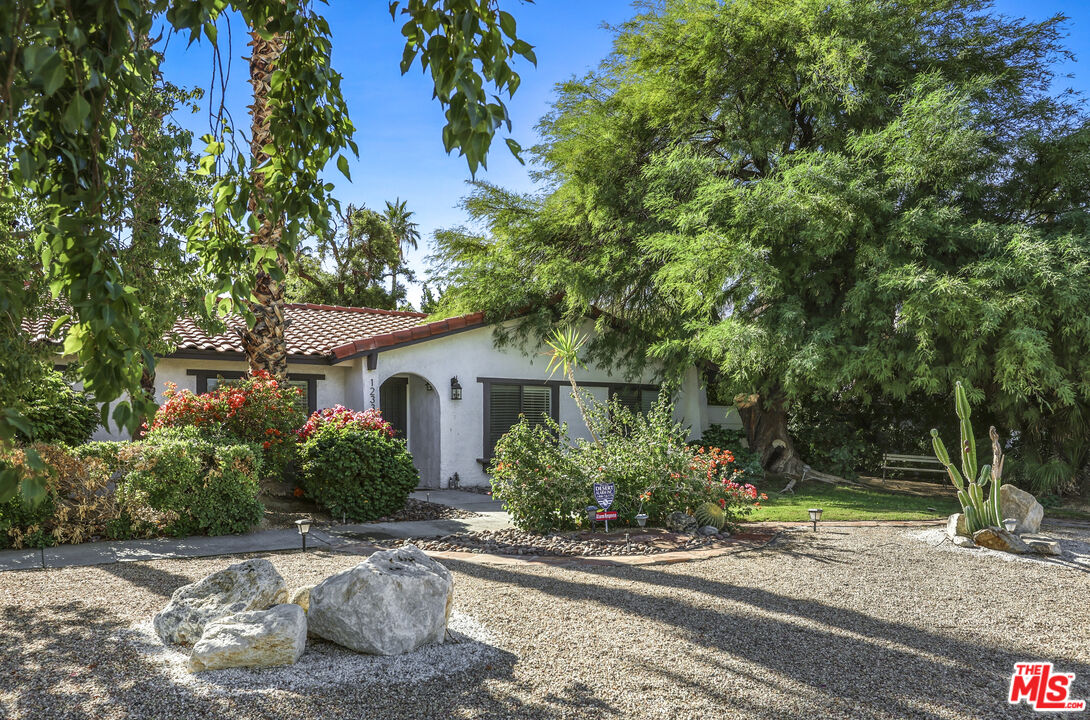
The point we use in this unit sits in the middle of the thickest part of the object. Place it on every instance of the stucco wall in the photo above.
(330, 391)
(470, 356)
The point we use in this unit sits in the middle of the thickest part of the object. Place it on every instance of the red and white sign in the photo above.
(609, 515)
(1042, 689)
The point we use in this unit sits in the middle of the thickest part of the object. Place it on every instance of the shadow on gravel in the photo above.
(66, 662)
(146, 576)
(878, 669)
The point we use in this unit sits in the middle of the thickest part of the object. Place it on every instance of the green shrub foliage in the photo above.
(195, 486)
(362, 474)
(57, 413)
(546, 481)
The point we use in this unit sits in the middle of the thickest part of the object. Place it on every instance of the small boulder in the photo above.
(392, 603)
(709, 530)
(260, 638)
(998, 539)
(963, 542)
(301, 597)
(955, 526)
(1023, 507)
(1042, 545)
(680, 522)
(248, 585)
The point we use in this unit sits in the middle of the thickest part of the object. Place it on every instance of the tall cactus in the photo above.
(979, 503)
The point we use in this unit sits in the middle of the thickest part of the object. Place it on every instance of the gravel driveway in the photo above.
(845, 623)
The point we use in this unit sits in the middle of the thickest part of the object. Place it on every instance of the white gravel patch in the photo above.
(323, 665)
(1076, 552)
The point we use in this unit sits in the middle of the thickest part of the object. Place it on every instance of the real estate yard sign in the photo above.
(603, 495)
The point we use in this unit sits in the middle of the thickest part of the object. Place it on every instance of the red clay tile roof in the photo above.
(331, 332)
(409, 334)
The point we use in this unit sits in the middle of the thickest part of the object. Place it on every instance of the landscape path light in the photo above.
(815, 515)
(1010, 524)
(304, 527)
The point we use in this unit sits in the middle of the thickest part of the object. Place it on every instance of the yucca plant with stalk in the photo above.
(566, 345)
(979, 503)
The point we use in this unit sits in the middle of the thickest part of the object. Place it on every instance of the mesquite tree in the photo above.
(813, 198)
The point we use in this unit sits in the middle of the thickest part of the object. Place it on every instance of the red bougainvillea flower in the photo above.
(340, 416)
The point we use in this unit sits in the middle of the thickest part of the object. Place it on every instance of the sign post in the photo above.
(603, 495)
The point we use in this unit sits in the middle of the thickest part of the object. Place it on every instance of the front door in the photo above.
(393, 398)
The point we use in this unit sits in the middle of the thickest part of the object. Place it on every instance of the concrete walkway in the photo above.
(492, 517)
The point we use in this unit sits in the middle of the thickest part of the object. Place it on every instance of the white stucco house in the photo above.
(444, 384)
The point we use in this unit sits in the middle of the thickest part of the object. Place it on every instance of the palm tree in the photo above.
(264, 343)
(405, 231)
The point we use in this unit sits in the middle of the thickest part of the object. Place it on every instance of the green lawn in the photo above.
(849, 502)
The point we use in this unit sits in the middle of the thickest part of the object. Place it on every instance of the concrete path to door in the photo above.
(491, 517)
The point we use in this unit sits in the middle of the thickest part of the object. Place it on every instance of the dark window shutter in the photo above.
(648, 399)
(504, 406)
(536, 403)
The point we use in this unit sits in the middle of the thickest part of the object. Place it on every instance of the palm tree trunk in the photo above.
(264, 343)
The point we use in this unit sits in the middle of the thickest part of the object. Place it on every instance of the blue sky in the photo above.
(398, 124)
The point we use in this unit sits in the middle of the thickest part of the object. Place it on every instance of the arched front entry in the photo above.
(411, 404)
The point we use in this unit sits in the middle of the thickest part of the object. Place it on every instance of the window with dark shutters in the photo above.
(506, 401)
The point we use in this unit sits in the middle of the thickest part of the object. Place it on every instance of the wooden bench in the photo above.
(912, 463)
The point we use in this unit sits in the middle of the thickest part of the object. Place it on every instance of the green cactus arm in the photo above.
(985, 476)
(968, 442)
(944, 458)
(997, 503)
(940, 449)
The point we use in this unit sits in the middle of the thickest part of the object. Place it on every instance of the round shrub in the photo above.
(58, 414)
(192, 485)
(256, 409)
(541, 485)
(359, 472)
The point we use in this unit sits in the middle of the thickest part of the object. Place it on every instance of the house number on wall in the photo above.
(372, 393)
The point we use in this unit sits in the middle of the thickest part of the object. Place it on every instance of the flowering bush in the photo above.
(546, 481)
(340, 416)
(356, 468)
(541, 485)
(256, 409)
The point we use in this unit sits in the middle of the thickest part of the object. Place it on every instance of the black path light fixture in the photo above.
(455, 389)
(304, 527)
(815, 515)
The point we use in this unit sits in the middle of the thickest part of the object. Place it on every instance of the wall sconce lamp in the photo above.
(455, 389)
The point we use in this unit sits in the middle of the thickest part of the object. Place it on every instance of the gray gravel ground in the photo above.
(844, 623)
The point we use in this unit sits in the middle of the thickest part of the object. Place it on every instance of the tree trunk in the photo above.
(766, 431)
(264, 343)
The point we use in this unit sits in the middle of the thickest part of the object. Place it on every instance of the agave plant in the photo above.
(979, 503)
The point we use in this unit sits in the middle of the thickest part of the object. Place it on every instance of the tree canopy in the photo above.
(852, 198)
(75, 73)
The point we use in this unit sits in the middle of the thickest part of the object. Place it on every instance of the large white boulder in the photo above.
(248, 585)
(392, 603)
(259, 638)
(1023, 507)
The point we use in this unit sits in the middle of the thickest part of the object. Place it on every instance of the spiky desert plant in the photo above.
(711, 513)
(566, 345)
(979, 503)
